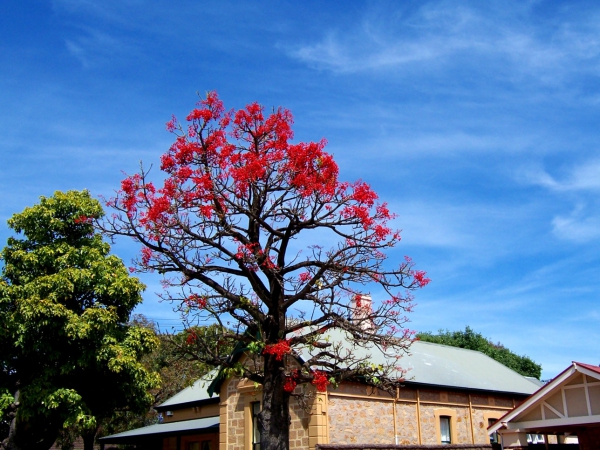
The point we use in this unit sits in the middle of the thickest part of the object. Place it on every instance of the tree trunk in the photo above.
(274, 418)
(28, 435)
(88, 439)
(10, 443)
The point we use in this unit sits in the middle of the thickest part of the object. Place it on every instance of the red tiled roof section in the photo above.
(589, 367)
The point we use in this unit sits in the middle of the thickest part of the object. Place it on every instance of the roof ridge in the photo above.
(591, 367)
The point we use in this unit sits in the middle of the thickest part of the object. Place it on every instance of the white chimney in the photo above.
(361, 307)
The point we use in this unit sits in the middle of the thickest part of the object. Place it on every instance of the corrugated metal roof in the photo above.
(442, 365)
(194, 393)
(196, 425)
(427, 363)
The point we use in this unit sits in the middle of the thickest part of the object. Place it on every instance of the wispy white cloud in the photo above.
(579, 184)
(464, 224)
(581, 177)
(449, 144)
(436, 225)
(111, 11)
(577, 226)
(338, 54)
(92, 46)
(444, 34)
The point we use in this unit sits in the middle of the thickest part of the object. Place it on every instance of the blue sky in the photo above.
(476, 121)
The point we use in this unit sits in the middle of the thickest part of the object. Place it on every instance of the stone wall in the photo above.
(299, 426)
(404, 447)
(481, 417)
(408, 432)
(355, 414)
(236, 421)
(358, 421)
(358, 414)
(232, 426)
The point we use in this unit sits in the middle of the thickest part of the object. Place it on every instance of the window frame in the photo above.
(450, 414)
(490, 418)
(255, 409)
(445, 427)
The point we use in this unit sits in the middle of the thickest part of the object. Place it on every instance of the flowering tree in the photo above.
(258, 234)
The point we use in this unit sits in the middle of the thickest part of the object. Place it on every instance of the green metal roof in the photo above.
(195, 393)
(441, 365)
(184, 427)
(426, 364)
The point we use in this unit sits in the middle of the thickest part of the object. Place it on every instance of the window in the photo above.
(494, 435)
(535, 439)
(255, 409)
(198, 445)
(490, 418)
(445, 425)
(445, 436)
(170, 443)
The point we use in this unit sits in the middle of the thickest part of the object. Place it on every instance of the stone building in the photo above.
(450, 395)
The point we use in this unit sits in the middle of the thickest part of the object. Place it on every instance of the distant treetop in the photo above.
(471, 340)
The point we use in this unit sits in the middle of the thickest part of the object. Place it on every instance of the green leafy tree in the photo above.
(69, 357)
(471, 340)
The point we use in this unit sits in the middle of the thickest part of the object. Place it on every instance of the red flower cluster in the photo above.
(172, 124)
(146, 256)
(83, 219)
(269, 263)
(320, 381)
(358, 300)
(252, 255)
(196, 300)
(421, 278)
(203, 157)
(304, 277)
(279, 349)
(246, 251)
(129, 190)
(311, 170)
(291, 381)
(191, 337)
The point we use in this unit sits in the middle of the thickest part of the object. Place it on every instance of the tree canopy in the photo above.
(68, 357)
(475, 341)
(259, 235)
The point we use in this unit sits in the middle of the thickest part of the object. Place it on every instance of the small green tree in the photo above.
(471, 340)
(69, 357)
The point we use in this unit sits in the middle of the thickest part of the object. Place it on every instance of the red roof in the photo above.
(589, 367)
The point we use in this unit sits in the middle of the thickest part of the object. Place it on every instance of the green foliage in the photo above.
(176, 360)
(475, 341)
(6, 399)
(64, 308)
